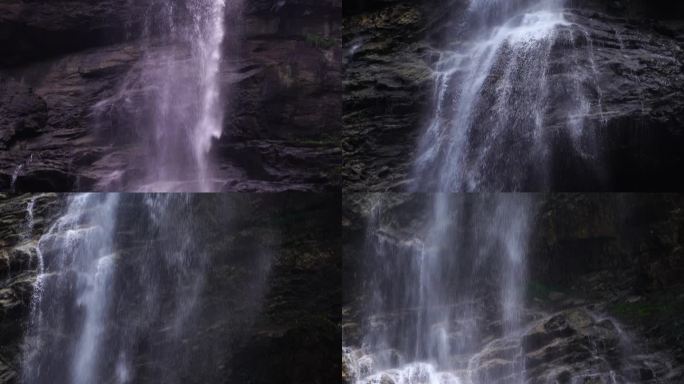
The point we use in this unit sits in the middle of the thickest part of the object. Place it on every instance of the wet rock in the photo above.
(59, 157)
(573, 340)
(497, 362)
(17, 269)
(546, 332)
(355, 365)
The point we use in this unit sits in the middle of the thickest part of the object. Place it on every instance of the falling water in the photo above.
(501, 105)
(120, 293)
(173, 97)
(187, 103)
(80, 267)
(28, 232)
(438, 294)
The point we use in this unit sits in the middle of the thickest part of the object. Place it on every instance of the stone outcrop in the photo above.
(64, 65)
(571, 346)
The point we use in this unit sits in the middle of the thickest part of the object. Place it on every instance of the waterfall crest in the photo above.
(500, 106)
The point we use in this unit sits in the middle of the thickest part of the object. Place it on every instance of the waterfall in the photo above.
(439, 292)
(186, 105)
(80, 246)
(501, 106)
(173, 97)
(122, 296)
(28, 231)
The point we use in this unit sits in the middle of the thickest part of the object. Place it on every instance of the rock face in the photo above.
(622, 253)
(65, 63)
(574, 346)
(565, 347)
(633, 49)
(387, 86)
(603, 300)
(23, 113)
(294, 337)
(298, 338)
(24, 218)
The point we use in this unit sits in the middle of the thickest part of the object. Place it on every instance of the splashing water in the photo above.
(431, 294)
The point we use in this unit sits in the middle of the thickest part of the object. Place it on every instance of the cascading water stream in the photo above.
(30, 222)
(187, 108)
(174, 96)
(121, 292)
(500, 105)
(437, 297)
(81, 245)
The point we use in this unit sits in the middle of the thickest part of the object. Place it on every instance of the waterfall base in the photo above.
(573, 346)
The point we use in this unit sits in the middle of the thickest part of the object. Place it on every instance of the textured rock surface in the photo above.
(621, 253)
(17, 264)
(635, 51)
(70, 59)
(295, 337)
(387, 86)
